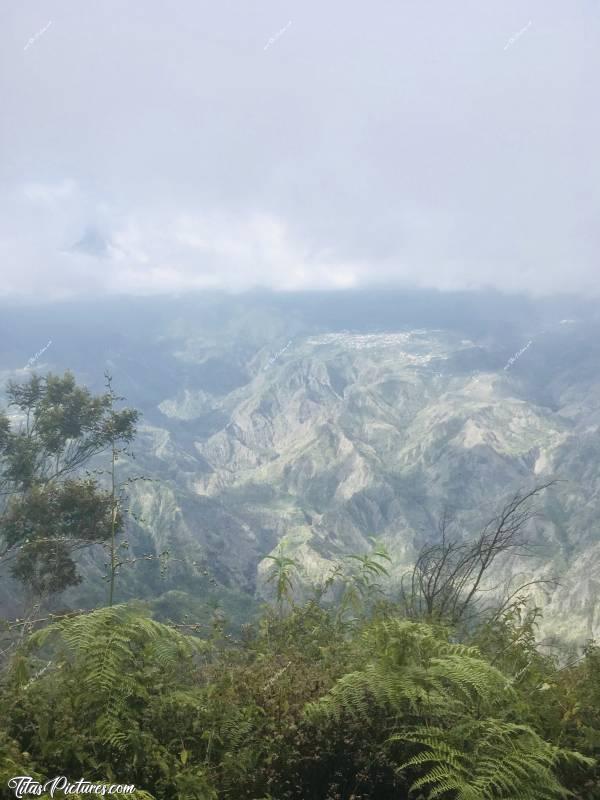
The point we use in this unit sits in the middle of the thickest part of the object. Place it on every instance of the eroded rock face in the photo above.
(263, 427)
(348, 436)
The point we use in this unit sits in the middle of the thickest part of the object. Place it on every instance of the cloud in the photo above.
(50, 194)
(150, 152)
(92, 243)
(210, 250)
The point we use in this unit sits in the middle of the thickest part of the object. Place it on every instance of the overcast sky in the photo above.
(154, 145)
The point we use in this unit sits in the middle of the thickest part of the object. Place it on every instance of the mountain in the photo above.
(318, 421)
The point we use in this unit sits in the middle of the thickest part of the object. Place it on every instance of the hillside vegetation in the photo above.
(312, 702)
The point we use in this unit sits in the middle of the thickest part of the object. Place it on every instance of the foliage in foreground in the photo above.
(49, 508)
(304, 707)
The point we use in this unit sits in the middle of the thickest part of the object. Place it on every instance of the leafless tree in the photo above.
(447, 580)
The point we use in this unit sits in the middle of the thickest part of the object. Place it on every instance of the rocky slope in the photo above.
(265, 424)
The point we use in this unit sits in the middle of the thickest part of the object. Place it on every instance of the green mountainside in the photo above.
(269, 421)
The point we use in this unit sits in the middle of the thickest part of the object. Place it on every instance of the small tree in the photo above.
(118, 448)
(280, 574)
(361, 587)
(49, 510)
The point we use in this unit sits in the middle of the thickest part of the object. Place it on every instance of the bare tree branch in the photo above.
(447, 579)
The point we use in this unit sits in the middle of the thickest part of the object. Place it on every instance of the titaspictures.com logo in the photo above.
(26, 786)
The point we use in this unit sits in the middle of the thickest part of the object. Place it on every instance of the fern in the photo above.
(103, 651)
(498, 760)
(447, 705)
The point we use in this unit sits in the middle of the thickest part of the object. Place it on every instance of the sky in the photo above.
(158, 147)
